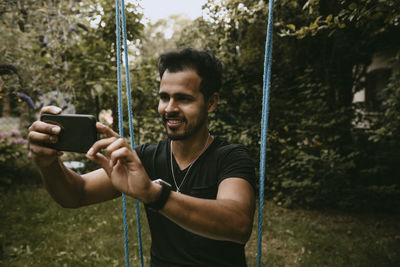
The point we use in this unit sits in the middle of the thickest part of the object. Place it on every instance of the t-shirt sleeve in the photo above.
(237, 163)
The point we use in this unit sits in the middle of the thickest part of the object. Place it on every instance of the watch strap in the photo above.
(161, 199)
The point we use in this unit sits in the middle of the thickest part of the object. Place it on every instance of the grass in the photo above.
(35, 231)
(314, 238)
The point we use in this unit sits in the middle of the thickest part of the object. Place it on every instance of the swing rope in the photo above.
(120, 10)
(264, 123)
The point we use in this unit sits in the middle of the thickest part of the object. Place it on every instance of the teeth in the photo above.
(174, 120)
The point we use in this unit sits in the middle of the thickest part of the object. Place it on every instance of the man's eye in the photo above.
(164, 97)
(184, 99)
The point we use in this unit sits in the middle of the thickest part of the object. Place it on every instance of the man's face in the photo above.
(181, 104)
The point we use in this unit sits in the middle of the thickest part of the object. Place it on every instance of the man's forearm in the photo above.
(64, 185)
(215, 219)
(229, 217)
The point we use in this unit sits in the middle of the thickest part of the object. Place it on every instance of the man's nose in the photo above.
(171, 106)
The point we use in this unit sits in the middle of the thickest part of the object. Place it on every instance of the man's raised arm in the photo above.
(68, 188)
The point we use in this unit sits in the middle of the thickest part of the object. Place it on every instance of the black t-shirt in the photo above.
(171, 244)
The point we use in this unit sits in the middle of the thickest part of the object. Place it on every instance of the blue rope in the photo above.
(120, 121)
(120, 8)
(130, 114)
(264, 124)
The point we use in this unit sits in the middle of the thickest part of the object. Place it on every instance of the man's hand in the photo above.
(40, 133)
(123, 166)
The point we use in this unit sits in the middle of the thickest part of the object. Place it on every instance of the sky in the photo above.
(156, 9)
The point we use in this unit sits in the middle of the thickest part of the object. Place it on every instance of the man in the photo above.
(205, 216)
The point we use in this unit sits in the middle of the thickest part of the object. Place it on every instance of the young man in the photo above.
(204, 216)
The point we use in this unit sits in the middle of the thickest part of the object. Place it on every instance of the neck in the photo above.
(188, 150)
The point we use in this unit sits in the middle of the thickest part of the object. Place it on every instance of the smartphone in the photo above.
(78, 131)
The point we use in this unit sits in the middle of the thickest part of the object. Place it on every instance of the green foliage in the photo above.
(162, 36)
(147, 123)
(35, 37)
(321, 52)
(14, 162)
(91, 59)
(313, 155)
(306, 163)
(381, 156)
(62, 46)
(336, 45)
(373, 17)
(387, 129)
(12, 146)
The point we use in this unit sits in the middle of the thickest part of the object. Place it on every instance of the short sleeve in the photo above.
(236, 162)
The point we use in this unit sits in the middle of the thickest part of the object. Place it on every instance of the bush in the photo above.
(14, 162)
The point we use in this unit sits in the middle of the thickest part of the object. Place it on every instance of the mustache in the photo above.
(174, 115)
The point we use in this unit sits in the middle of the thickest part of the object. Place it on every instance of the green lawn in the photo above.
(34, 231)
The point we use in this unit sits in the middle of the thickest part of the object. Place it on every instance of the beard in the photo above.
(190, 129)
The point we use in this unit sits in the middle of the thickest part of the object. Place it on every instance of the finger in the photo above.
(117, 144)
(128, 154)
(101, 144)
(51, 110)
(106, 130)
(102, 161)
(40, 138)
(40, 151)
(124, 153)
(44, 127)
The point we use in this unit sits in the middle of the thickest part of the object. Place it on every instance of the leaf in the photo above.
(302, 32)
(331, 33)
(353, 6)
(292, 27)
(329, 18)
(306, 5)
(98, 88)
(42, 10)
(336, 19)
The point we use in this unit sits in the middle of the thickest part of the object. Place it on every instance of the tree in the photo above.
(66, 47)
(320, 50)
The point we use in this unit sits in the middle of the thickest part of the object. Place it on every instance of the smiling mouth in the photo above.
(173, 122)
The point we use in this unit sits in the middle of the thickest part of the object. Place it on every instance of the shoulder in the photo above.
(226, 149)
(233, 160)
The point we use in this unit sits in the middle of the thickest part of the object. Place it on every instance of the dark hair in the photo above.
(206, 65)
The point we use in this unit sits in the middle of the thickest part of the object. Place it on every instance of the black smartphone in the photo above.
(78, 131)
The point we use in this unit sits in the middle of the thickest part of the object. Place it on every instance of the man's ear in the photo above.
(212, 102)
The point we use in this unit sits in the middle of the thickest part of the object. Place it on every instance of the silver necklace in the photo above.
(190, 166)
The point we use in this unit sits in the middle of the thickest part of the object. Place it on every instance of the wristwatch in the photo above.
(162, 196)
